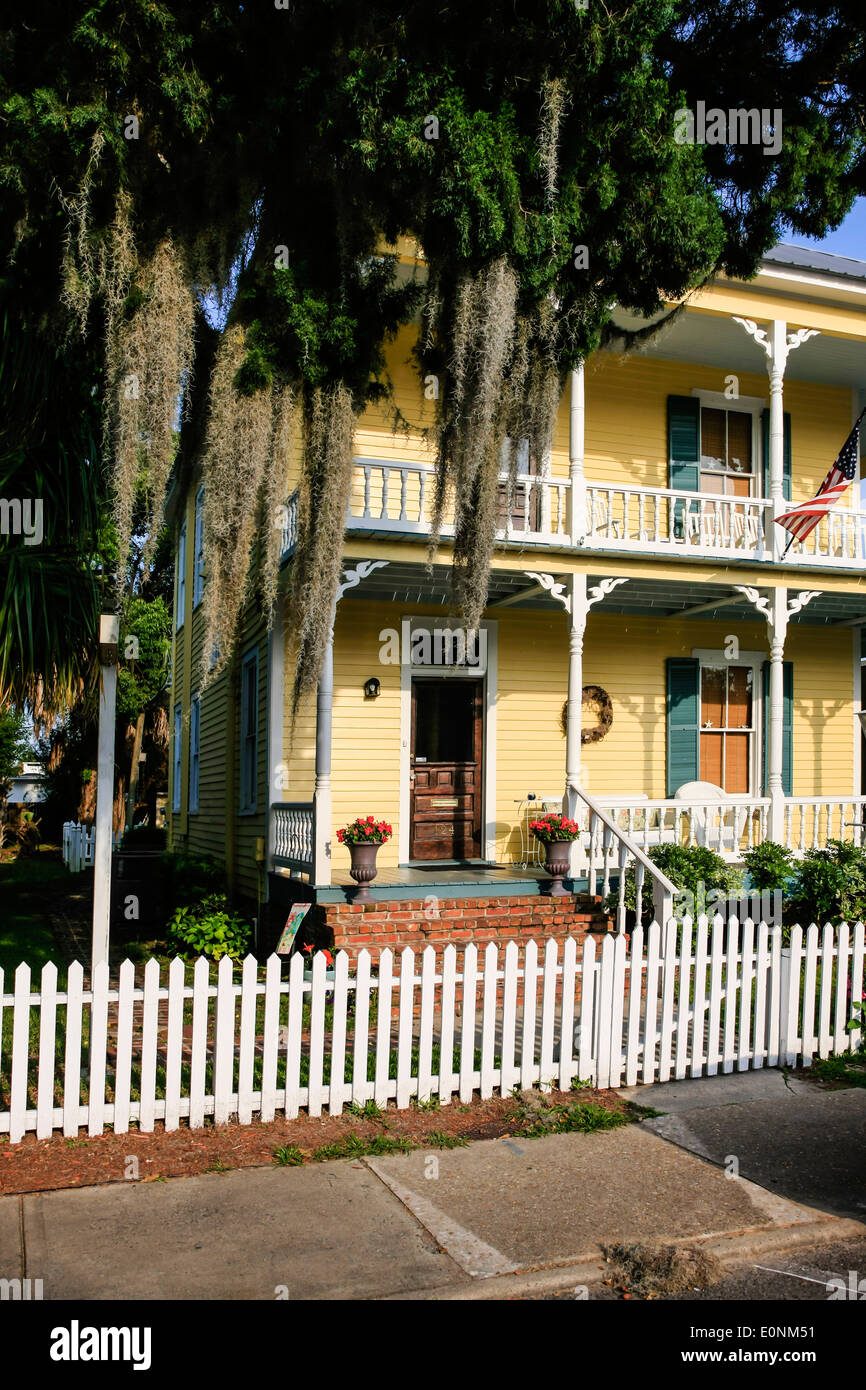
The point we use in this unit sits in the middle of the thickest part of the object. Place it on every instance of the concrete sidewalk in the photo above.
(493, 1220)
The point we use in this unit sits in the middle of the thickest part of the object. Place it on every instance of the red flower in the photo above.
(328, 957)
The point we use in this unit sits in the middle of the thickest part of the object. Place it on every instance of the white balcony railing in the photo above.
(398, 497)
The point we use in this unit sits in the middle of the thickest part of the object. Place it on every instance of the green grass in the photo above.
(584, 1118)
(28, 887)
(288, 1156)
(353, 1146)
(438, 1139)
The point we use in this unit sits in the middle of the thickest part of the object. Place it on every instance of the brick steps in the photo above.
(418, 923)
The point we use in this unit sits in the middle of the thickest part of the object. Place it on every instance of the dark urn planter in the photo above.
(557, 866)
(363, 868)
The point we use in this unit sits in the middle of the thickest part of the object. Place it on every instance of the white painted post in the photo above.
(576, 434)
(776, 367)
(574, 710)
(109, 636)
(322, 793)
(777, 629)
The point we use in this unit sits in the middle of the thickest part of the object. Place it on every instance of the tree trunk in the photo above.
(133, 770)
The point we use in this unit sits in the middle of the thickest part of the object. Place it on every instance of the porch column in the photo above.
(777, 627)
(576, 435)
(353, 574)
(322, 793)
(776, 368)
(777, 347)
(577, 600)
(777, 609)
(574, 711)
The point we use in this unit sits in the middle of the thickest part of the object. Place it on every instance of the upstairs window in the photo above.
(727, 453)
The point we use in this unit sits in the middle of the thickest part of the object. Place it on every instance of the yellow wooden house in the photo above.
(654, 655)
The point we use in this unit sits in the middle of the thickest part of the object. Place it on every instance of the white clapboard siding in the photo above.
(265, 1041)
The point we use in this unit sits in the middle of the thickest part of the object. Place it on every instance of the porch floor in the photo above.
(461, 881)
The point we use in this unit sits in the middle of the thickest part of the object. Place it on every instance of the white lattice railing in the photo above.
(293, 835)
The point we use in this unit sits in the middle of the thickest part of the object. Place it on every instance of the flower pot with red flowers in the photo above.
(364, 837)
(557, 833)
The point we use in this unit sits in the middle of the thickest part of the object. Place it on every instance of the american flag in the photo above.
(802, 520)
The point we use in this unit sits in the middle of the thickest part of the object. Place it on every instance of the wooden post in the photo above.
(576, 446)
(109, 636)
(322, 794)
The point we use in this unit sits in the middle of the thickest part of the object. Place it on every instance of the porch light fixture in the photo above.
(371, 688)
(861, 715)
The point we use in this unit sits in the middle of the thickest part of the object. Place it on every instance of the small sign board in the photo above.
(297, 913)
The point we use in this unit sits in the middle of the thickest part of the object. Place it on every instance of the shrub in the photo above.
(209, 928)
(191, 878)
(694, 870)
(770, 865)
(829, 885)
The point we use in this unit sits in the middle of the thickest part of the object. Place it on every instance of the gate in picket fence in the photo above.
(692, 1000)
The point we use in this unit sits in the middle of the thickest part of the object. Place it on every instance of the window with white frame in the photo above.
(249, 731)
(180, 586)
(730, 707)
(198, 557)
(178, 734)
(730, 459)
(194, 727)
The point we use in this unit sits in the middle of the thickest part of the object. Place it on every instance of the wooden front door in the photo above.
(445, 778)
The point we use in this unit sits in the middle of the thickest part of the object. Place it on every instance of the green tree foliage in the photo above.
(153, 151)
(14, 746)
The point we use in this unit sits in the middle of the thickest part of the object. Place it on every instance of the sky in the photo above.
(847, 240)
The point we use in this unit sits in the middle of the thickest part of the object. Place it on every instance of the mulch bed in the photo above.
(44, 1165)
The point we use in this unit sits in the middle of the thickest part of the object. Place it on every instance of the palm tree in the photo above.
(49, 591)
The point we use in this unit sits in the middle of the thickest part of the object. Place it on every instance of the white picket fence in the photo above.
(661, 1005)
(78, 842)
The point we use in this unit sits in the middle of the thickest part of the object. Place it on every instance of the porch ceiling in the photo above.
(410, 583)
(716, 341)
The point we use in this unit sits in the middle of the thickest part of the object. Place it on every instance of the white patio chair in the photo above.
(704, 797)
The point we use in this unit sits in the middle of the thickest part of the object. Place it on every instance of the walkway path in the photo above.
(501, 1218)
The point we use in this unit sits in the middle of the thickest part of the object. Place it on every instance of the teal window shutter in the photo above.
(787, 728)
(786, 475)
(682, 722)
(684, 450)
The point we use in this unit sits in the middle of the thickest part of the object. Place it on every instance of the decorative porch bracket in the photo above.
(577, 600)
(352, 577)
(778, 345)
(777, 610)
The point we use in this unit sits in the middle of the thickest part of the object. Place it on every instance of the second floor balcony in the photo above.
(397, 499)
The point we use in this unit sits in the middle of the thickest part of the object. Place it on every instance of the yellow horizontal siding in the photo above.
(624, 655)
